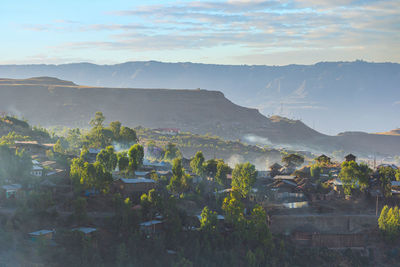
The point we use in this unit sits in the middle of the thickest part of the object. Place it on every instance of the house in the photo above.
(396, 187)
(87, 231)
(162, 166)
(32, 147)
(151, 227)
(142, 174)
(41, 235)
(93, 154)
(11, 191)
(350, 157)
(128, 186)
(37, 170)
(263, 174)
(285, 177)
(323, 159)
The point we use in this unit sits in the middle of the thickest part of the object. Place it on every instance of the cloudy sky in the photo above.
(223, 32)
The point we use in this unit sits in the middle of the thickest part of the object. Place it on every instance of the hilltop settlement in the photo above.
(111, 195)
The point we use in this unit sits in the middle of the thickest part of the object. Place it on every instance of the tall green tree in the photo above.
(127, 136)
(354, 176)
(180, 181)
(98, 120)
(243, 177)
(136, 155)
(115, 127)
(293, 160)
(171, 152)
(123, 162)
(222, 172)
(234, 210)
(208, 220)
(197, 164)
(389, 222)
(108, 158)
(386, 176)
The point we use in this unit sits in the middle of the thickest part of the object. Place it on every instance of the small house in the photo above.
(37, 170)
(92, 155)
(11, 191)
(129, 186)
(396, 187)
(350, 157)
(151, 227)
(32, 147)
(41, 235)
(87, 231)
(285, 177)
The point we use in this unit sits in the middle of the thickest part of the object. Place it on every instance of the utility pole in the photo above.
(377, 200)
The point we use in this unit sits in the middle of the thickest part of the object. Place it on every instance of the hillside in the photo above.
(197, 111)
(313, 93)
(392, 132)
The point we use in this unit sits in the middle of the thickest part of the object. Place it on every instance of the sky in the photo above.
(216, 32)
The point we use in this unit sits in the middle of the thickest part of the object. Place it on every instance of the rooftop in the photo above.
(85, 230)
(41, 232)
(137, 180)
(284, 177)
(150, 223)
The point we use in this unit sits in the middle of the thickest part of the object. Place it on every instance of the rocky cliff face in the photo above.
(49, 102)
(325, 94)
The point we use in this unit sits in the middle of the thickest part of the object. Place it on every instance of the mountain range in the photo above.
(49, 102)
(332, 97)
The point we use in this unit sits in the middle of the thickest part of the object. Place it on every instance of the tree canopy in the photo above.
(293, 160)
(243, 177)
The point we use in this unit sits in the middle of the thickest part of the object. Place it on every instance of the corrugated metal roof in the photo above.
(137, 180)
(41, 232)
(150, 223)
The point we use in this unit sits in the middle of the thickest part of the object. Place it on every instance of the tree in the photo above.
(171, 152)
(210, 167)
(86, 175)
(108, 158)
(58, 147)
(234, 210)
(222, 171)
(208, 220)
(386, 176)
(98, 120)
(389, 222)
(115, 127)
(258, 228)
(197, 164)
(14, 166)
(136, 155)
(398, 175)
(127, 136)
(364, 174)
(84, 153)
(315, 171)
(74, 138)
(354, 175)
(349, 176)
(243, 177)
(180, 181)
(293, 160)
(123, 162)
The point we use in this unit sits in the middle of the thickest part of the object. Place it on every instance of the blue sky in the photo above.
(222, 32)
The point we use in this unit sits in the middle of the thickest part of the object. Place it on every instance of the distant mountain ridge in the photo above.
(51, 102)
(332, 96)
